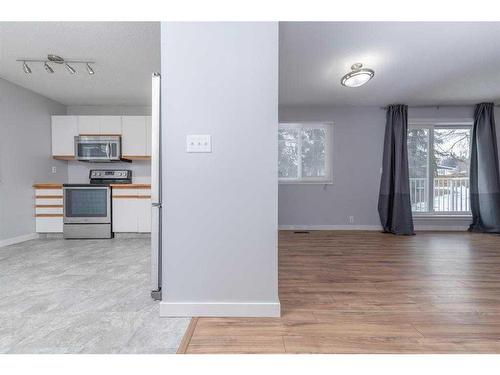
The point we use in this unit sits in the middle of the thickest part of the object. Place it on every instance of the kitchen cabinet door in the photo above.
(148, 136)
(64, 130)
(110, 125)
(144, 214)
(134, 136)
(49, 224)
(89, 125)
(124, 214)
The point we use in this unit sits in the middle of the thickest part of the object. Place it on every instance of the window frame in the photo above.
(299, 126)
(431, 124)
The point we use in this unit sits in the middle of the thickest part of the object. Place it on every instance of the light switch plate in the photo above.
(199, 143)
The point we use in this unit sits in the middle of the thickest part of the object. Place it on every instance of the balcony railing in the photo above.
(450, 194)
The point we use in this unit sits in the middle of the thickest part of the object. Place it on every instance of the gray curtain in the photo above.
(394, 204)
(484, 174)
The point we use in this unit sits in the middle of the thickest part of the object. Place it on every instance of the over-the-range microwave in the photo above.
(98, 148)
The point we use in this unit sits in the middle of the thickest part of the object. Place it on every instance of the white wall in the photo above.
(220, 209)
(78, 172)
(25, 156)
(358, 136)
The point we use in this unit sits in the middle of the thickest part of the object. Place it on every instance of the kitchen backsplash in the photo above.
(78, 172)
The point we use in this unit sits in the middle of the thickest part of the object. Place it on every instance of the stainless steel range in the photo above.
(87, 207)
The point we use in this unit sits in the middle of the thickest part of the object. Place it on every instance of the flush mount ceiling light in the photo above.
(358, 76)
(55, 59)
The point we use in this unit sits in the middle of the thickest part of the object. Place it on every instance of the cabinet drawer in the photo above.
(125, 193)
(55, 201)
(48, 210)
(48, 192)
(144, 193)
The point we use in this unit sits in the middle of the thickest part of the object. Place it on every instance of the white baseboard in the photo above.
(330, 227)
(418, 227)
(18, 239)
(442, 228)
(223, 309)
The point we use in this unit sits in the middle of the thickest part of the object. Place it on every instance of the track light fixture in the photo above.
(48, 68)
(55, 59)
(89, 69)
(26, 68)
(70, 68)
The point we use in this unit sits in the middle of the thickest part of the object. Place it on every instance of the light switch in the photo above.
(199, 143)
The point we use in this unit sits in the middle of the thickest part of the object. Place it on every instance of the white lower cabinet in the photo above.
(124, 214)
(132, 210)
(49, 210)
(49, 224)
(144, 215)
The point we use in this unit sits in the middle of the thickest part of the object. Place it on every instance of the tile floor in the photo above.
(82, 296)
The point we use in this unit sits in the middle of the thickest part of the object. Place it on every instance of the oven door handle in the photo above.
(108, 149)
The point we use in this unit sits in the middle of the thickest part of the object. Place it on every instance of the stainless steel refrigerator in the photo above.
(156, 203)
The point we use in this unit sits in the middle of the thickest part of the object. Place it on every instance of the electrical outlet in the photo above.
(54, 169)
(351, 219)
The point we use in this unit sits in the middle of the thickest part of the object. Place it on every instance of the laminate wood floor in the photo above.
(368, 292)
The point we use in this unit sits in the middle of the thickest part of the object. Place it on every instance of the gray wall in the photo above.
(111, 110)
(358, 135)
(220, 208)
(78, 172)
(25, 155)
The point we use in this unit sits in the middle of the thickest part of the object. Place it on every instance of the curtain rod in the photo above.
(438, 106)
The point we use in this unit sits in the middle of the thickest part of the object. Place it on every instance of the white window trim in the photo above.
(328, 179)
(431, 124)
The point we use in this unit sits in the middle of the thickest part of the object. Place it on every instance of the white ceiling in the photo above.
(126, 54)
(415, 63)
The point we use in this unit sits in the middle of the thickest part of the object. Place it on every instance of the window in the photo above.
(438, 159)
(304, 153)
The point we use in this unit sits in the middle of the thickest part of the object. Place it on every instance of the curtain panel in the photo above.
(394, 204)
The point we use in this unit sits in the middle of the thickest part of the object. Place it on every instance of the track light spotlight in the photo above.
(48, 68)
(89, 69)
(26, 68)
(70, 69)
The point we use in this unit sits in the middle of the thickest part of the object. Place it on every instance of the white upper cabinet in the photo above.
(110, 125)
(88, 125)
(64, 130)
(134, 136)
(135, 132)
(97, 125)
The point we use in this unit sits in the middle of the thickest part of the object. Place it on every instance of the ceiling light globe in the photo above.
(358, 77)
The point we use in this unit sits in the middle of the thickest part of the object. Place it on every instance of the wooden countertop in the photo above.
(114, 186)
(48, 186)
(131, 186)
